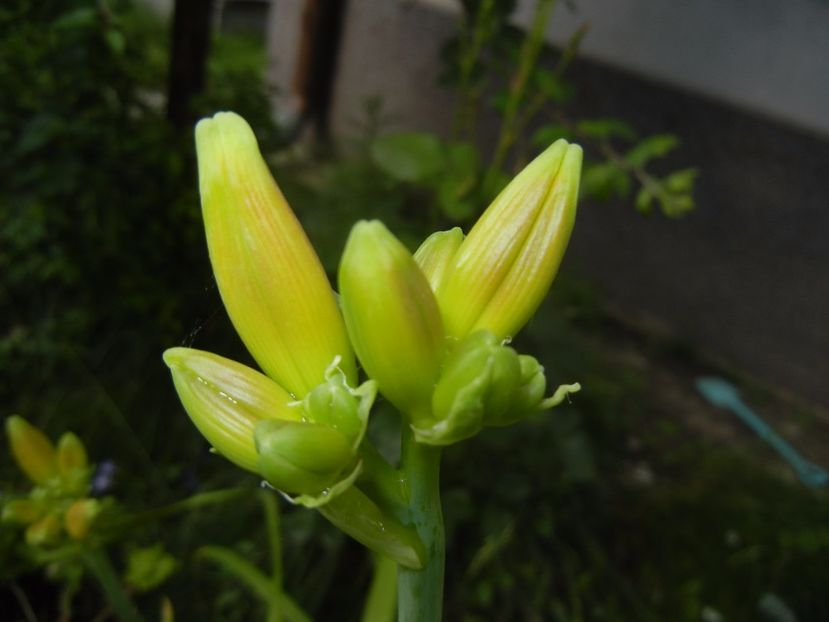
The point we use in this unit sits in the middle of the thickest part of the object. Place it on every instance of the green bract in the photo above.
(483, 383)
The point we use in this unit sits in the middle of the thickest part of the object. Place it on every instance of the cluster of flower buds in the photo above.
(431, 327)
(57, 506)
(429, 330)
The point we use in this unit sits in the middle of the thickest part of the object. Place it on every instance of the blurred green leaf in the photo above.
(604, 181)
(409, 156)
(116, 41)
(38, 131)
(606, 129)
(149, 567)
(558, 90)
(681, 181)
(652, 147)
(644, 201)
(548, 134)
(79, 18)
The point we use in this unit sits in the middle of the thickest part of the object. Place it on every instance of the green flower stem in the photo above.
(97, 562)
(194, 502)
(532, 45)
(382, 482)
(381, 602)
(271, 511)
(256, 582)
(420, 592)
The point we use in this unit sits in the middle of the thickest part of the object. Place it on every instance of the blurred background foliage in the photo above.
(614, 508)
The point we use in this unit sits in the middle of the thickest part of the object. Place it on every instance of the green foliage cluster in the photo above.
(94, 193)
(100, 244)
(493, 65)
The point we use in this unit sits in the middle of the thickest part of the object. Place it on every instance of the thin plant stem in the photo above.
(271, 511)
(23, 601)
(420, 592)
(518, 87)
(254, 580)
(193, 502)
(381, 602)
(541, 98)
(473, 38)
(98, 564)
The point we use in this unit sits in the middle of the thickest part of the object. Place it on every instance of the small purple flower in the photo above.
(104, 477)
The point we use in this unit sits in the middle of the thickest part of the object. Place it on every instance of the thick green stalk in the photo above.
(420, 592)
(97, 562)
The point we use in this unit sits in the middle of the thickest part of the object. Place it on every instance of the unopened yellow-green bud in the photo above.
(302, 458)
(484, 383)
(73, 465)
(392, 317)
(436, 253)
(22, 511)
(271, 280)
(335, 404)
(71, 454)
(80, 516)
(532, 388)
(503, 269)
(45, 531)
(33, 452)
(226, 400)
(479, 380)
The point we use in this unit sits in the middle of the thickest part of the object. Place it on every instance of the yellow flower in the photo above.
(33, 452)
(392, 317)
(271, 281)
(497, 277)
(301, 447)
(301, 424)
(226, 400)
(80, 516)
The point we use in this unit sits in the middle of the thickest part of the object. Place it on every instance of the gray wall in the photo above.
(770, 56)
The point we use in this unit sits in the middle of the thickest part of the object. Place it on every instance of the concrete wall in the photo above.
(769, 56)
(746, 276)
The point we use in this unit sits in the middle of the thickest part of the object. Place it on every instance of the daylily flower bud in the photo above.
(526, 394)
(45, 531)
(80, 516)
(74, 469)
(392, 317)
(478, 380)
(272, 283)
(317, 458)
(33, 452)
(71, 454)
(436, 253)
(226, 400)
(502, 270)
(335, 404)
(529, 393)
(484, 383)
(302, 458)
(22, 511)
